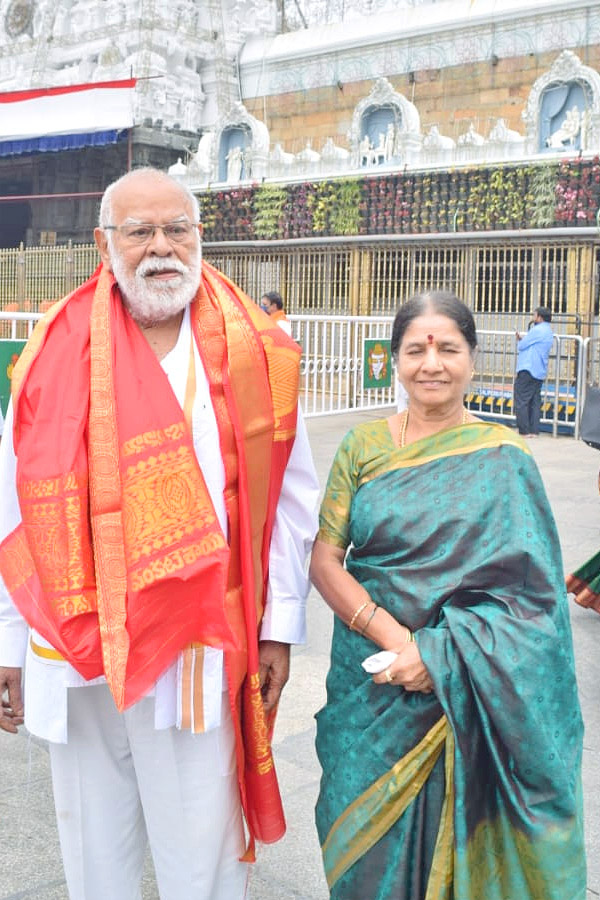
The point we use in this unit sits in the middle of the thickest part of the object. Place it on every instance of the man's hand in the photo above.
(12, 706)
(274, 668)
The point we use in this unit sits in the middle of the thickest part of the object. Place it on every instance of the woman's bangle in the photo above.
(357, 614)
(375, 608)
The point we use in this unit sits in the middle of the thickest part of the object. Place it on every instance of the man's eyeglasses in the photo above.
(142, 233)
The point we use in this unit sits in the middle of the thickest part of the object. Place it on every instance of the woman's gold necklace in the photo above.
(404, 423)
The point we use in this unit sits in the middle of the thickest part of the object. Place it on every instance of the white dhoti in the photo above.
(120, 783)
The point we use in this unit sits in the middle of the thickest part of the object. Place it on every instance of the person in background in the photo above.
(533, 351)
(455, 769)
(272, 303)
(152, 585)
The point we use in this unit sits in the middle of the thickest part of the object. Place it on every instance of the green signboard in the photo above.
(9, 354)
(377, 364)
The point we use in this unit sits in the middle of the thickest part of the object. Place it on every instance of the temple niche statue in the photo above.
(389, 143)
(563, 108)
(237, 149)
(364, 151)
(379, 150)
(566, 133)
(235, 162)
(385, 128)
(382, 152)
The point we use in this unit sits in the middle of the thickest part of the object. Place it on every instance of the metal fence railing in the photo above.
(17, 325)
(502, 276)
(334, 358)
(31, 277)
(333, 361)
(492, 387)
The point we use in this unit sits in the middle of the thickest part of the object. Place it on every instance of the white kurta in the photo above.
(47, 680)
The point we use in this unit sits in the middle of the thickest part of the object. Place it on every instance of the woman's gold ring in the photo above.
(388, 676)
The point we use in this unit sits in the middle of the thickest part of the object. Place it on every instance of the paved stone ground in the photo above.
(30, 867)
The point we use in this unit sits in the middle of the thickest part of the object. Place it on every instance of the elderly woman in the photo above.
(453, 773)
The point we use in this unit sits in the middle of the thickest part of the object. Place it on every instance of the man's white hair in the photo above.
(105, 215)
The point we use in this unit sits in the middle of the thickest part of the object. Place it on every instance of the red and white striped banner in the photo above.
(71, 109)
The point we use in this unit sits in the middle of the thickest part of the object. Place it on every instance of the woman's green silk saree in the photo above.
(471, 792)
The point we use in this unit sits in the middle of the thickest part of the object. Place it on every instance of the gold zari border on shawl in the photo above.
(283, 369)
(282, 361)
(262, 757)
(456, 441)
(105, 495)
(276, 395)
(254, 405)
(155, 438)
(17, 565)
(55, 510)
(372, 814)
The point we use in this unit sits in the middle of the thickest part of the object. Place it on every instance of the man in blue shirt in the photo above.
(532, 366)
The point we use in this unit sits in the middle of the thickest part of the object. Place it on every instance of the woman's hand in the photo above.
(407, 671)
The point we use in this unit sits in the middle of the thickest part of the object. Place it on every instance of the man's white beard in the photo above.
(150, 301)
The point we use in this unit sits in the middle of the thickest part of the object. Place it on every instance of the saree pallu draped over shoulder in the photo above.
(472, 792)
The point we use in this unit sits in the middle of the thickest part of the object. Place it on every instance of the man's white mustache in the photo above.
(149, 266)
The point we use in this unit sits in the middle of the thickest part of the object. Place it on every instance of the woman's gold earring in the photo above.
(473, 373)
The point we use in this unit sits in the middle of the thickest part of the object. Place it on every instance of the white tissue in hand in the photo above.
(378, 661)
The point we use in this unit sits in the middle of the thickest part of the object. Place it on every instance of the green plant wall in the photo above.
(468, 199)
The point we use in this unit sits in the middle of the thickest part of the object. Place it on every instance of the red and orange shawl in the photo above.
(278, 316)
(119, 561)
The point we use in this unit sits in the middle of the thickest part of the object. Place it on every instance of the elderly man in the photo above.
(158, 501)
